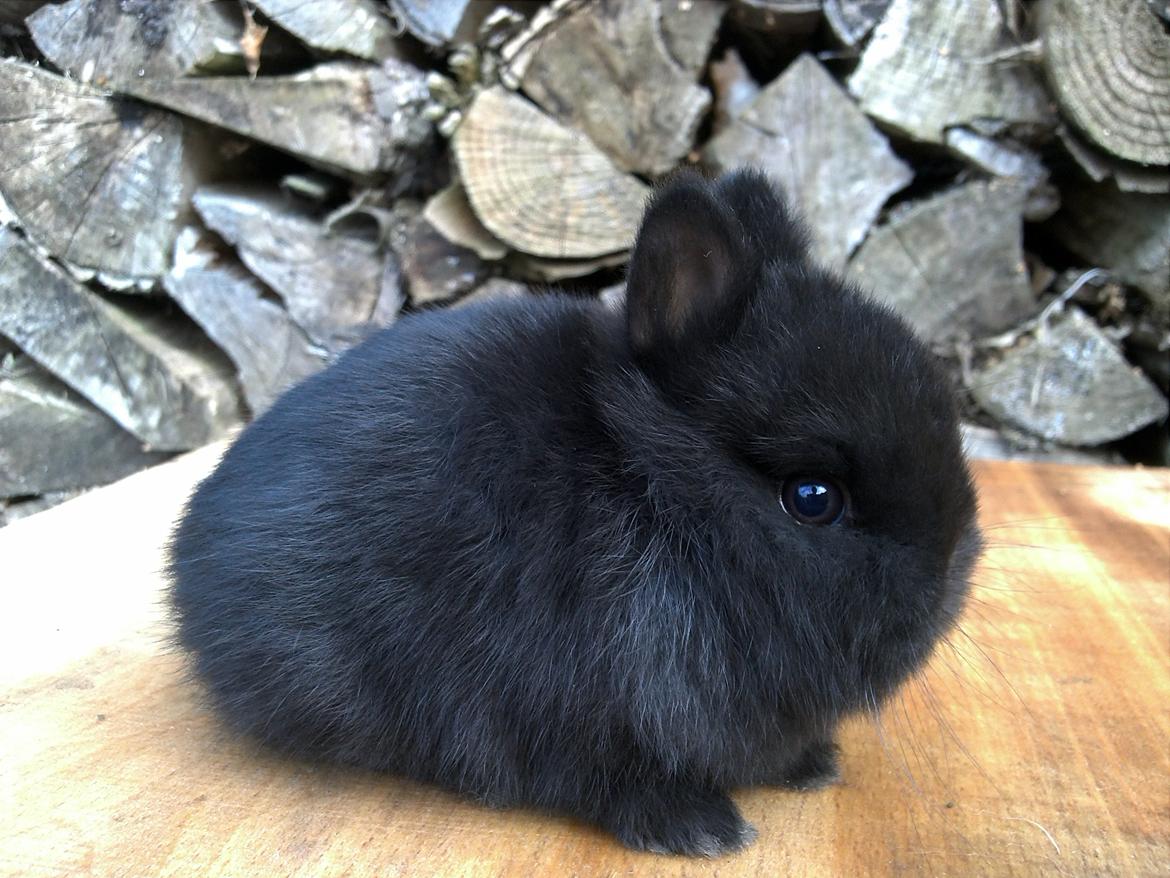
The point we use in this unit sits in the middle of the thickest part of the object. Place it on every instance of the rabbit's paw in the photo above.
(678, 819)
(815, 768)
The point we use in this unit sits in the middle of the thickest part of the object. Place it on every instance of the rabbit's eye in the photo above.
(813, 499)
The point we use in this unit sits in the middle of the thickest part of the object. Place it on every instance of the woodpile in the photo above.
(204, 202)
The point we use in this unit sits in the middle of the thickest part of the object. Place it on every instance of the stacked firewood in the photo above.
(204, 201)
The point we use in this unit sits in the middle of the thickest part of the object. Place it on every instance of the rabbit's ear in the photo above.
(681, 286)
(765, 216)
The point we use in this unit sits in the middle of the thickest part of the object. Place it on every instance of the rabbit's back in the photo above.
(382, 560)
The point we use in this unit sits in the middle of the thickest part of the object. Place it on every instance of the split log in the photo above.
(951, 265)
(605, 69)
(734, 88)
(542, 270)
(984, 443)
(269, 350)
(452, 215)
(1108, 62)
(432, 21)
(1100, 166)
(853, 20)
(352, 118)
(173, 390)
(836, 167)
(354, 27)
(330, 282)
(1068, 383)
(112, 43)
(436, 270)
(688, 31)
(1125, 233)
(1008, 161)
(934, 64)
(541, 187)
(100, 183)
(53, 440)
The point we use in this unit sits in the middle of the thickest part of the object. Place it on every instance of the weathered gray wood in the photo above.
(353, 118)
(734, 88)
(541, 187)
(1108, 63)
(1068, 383)
(171, 392)
(1101, 166)
(330, 282)
(1010, 161)
(605, 70)
(100, 183)
(111, 43)
(1127, 234)
(432, 21)
(53, 440)
(269, 350)
(952, 265)
(807, 133)
(355, 27)
(984, 443)
(451, 214)
(853, 20)
(932, 64)
(543, 270)
(435, 269)
(688, 30)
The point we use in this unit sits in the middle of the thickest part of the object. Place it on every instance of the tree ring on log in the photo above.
(1108, 63)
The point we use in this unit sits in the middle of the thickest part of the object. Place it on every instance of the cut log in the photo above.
(933, 64)
(269, 350)
(951, 265)
(807, 134)
(100, 183)
(330, 282)
(354, 27)
(432, 21)
(605, 69)
(541, 187)
(53, 440)
(435, 269)
(172, 392)
(112, 43)
(452, 215)
(1125, 233)
(1101, 166)
(1009, 161)
(1108, 62)
(353, 118)
(853, 20)
(1068, 383)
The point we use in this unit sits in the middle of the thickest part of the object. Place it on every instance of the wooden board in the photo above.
(1037, 743)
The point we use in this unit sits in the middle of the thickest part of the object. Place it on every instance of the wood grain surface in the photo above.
(1037, 742)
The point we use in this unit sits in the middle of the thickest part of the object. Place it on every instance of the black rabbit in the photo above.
(542, 552)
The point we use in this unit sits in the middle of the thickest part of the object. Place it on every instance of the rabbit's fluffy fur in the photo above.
(533, 550)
